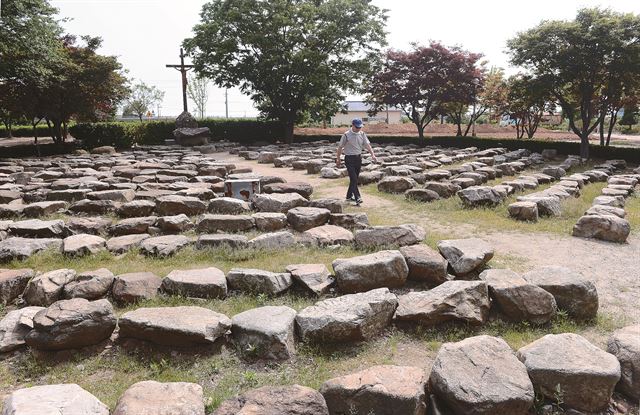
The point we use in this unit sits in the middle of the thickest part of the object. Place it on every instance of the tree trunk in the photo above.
(612, 123)
(584, 146)
(420, 131)
(459, 132)
(288, 131)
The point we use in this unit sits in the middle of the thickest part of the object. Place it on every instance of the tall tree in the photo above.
(529, 98)
(142, 99)
(578, 59)
(87, 86)
(198, 92)
(630, 115)
(286, 53)
(422, 81)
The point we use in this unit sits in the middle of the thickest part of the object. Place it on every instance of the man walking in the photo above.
(351, 144)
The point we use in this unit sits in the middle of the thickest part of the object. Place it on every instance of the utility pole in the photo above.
(183, 70)
(226, 102)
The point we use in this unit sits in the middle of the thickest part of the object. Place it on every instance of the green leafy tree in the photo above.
(528, 100)
(287, 53)
(142, 99)
(578, 58)
(197, 91)
(322, 108)
(630, 115)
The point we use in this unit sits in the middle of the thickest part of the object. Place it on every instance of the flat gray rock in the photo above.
(15, 326)
(270, 221)
(198, 283)
(82, 244)
(304, 218)
(586, 374)
(222, 240)
(66, 399)
(174, 205)
(377, 236)
(327, 235)
(185, 326)
(465, 255)
(91, 285)
(481, 376)
(572, 291)
(265, 332)
(464, 301)
(382, 390)
(163, 246)
(229, 206)
(624, 344)
(23, 248)
(604, 227)
(45, 289)
(36, 228)
(122, 244)
(13, 282)
(425, 264)
(154, 398)
(353, 317)
(273, 240)
(210, 223)
(314, 278)
(272, 400)
(72, 324)
(517, 299)
(258, 281)
(136, 286)
(366, 272)
(278, 202)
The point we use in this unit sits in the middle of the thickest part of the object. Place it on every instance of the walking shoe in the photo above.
(358, 201)
(350, 199)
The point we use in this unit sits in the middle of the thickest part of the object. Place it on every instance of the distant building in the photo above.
(359, 109)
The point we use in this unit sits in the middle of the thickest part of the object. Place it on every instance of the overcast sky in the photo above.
(146, 34)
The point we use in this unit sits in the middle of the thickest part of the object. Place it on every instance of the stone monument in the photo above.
(187, 132)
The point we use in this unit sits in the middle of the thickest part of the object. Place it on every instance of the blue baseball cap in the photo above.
(357, 122)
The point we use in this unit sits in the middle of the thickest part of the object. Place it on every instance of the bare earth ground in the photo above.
(614, 268)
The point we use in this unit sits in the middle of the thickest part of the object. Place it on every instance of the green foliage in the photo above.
(286, 54)
(142, 100)
(102, 134)
(630, 116)
(24, 131)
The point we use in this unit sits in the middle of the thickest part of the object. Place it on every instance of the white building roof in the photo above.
(360, 106)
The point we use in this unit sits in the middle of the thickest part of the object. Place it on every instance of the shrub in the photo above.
(115, 134)
(25, 131)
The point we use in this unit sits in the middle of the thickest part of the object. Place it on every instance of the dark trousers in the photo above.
(354, 164)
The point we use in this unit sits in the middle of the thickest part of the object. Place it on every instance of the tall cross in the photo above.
(183, 70)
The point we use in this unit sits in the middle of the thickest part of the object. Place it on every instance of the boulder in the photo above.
(585, 374)
(270, 221)
(278, 202)
(353, 317)
(174, 205)
(82, 244)
(136, 208)
(376, 236)
(605, 227)
(303, 189)
(573, 292)
(477, 196)
(464, 301)
(190, 137)
(229, 206)
(90, 285)
(425, 264)
(45, 289)
(606, 210)
(15, 326)
(272, 400)
(37, 209)
(185, 326)
(547, 205)
(135, 286)
(225, 223)
(330, 173)
(443, 189)
(481, 376)
(366, 272)
(174, 224)
(12, 283)
(396, 184)
(265, 332)
(273, 240)
(314, 278)
(163, 246)
(304, 218)
(517, 299)
(615, 201)
(624, 344)
(349, 220)
(465, 255)
(122, 244)
(525, 211)
(72, 324)
(368, 177)
(23, 248)
(334, 205)
(133, 225)
(381, 390)
(421, 195)
(154, 398)
(327, 235)
(93, 207)
(198, 283)
(114, 195)
(258, 281)
(66, 399)
(36, 228)
(220, 240)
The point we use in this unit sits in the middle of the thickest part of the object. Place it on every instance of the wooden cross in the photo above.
(183, 70)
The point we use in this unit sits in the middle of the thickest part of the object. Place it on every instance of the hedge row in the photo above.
(124, 134)
(25, 131)
(630, 154)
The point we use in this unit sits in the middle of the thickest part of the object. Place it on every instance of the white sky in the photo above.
(146, 34)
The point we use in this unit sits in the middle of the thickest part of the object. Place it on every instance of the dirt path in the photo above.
(614, 268)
